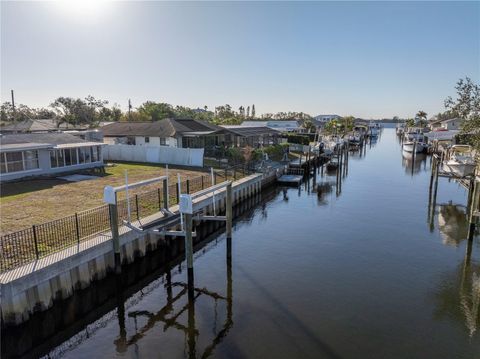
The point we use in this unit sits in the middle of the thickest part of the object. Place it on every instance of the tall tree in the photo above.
(78, 111)
(156, 111)
(248, 111)
(253, 111)
(467, 107)
(421, 115)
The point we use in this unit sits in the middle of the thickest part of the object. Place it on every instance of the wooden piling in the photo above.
(229, 210)
(188, 223)
(229, 218)
(474, 189)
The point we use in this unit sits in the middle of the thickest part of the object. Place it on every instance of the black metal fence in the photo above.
(26, 245)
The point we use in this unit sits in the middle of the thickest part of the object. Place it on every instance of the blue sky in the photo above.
(368, 59)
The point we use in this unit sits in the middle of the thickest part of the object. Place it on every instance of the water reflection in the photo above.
(452, 223)
(323, 190)
(459, 295)
(414, 164)
(171, 315)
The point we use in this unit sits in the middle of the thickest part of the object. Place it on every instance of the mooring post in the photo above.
(473, 208)
(434, 197)
(165, 193)
(432, 172)
(414, 150)
(113, 211)
(188, 222)
(229, 215)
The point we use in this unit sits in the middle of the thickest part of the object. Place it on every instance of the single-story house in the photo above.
(34, 154)
(38, 126)
(450, 124)
(326, 118)
(241, 136)
(182, 133)
(279, 125)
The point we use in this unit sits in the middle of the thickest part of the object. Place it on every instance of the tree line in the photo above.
(91, 111)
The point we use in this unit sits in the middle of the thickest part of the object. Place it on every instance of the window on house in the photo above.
(81, 156)
(60, 158)
(84, 155)
(68, 158)
(163, 141)
(14, 161)
(53, 159)
(30, 159)
(3, 165)
(99, 152)
(18, 161)
(94, 153)
(147, 139)
(74, 156)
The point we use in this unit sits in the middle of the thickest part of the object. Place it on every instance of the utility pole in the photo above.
(129, 110)
(13, 106)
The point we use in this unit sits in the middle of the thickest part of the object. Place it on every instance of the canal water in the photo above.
(355, 269)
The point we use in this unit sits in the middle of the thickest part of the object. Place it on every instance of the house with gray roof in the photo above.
(279, 125)
(39, 126)
(44, 154)
(181, 133)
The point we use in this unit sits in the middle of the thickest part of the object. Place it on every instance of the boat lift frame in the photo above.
(186, 214)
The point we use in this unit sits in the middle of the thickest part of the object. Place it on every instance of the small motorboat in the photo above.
(354, 139)
(373, 129)
(460, 162)
(400, 129)
(414, 140)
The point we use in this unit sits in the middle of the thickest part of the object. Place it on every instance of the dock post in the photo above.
(434, 197)
(470, 193)
(414, 150)
(165, 193)
(229, 215)
(113, 211)
(188, 218)
(474, 188)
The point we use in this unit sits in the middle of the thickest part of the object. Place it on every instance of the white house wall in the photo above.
(155, 154)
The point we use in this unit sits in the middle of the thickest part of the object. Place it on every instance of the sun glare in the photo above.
(82, 8)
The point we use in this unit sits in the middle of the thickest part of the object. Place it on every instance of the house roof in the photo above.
(162, 128)
(50, 138)
(247, 131)
(442, 121)
(28, 125)
(39, 125)
(322, 117)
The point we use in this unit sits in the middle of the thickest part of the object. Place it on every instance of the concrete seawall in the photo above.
(36, 286)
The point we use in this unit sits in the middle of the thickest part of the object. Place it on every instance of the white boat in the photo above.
(460, 162)
(400, 129)
(414, 140)
(334, 143)
(354, 139)
(373, 129)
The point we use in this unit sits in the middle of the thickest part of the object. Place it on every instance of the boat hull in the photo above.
(459, 169)
(409, 146)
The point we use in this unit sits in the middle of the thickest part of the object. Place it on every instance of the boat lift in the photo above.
(186, 214)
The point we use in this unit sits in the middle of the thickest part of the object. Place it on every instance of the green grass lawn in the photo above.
(29, 202)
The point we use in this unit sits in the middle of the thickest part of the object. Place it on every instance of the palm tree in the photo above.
(421, 115)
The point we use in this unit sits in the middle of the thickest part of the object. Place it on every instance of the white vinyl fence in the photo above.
(154, 154)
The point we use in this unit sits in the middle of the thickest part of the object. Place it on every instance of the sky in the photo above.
(367, 59)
